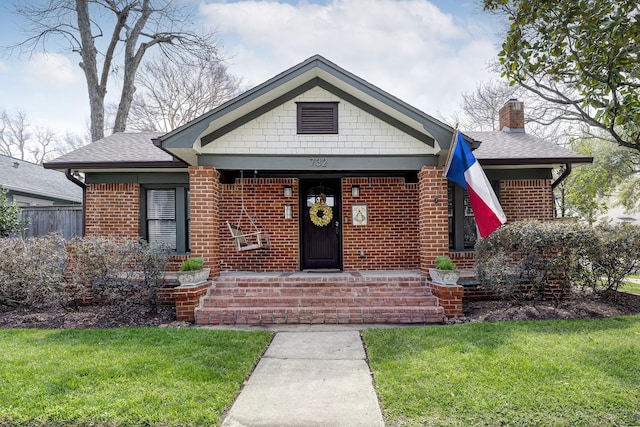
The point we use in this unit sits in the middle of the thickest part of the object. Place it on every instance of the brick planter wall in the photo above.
(449, 298)
(187, 298)
(390, 240)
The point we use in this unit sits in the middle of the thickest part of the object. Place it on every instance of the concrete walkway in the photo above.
(309, 378)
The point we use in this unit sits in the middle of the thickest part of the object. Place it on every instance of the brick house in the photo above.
(347, 181)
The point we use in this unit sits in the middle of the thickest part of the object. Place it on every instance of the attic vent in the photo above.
(317, 117)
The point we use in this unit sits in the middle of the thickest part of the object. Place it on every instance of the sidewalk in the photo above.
(309, 379)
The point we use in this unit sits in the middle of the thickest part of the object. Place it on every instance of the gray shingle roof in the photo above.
(117, 148)
(34, 179)
(519, 146)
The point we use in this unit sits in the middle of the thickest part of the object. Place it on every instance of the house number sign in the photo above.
(318, 162)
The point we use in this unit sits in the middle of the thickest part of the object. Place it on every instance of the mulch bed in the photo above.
(620, 304)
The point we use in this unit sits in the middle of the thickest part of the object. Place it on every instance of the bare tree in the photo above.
(172, 94)
(130, 28)
(480, 111)
(21, 140)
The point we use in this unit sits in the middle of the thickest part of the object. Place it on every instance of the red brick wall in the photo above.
(527, 199)
(390, 240)
(466, 259)
(113, 210)
(204, 188)
(265, 197)
(433, 217)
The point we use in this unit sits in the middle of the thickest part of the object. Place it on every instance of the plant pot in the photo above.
(444, 277)
(195, 276)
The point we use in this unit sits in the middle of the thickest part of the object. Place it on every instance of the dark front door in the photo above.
(320, 224)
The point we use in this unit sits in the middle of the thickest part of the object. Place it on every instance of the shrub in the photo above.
(32, 272)
(10, 222)
(526, 259)
(192, 264)
(124, 273)
(41, 272)
(444, 263)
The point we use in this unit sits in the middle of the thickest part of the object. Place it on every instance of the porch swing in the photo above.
(257, 239)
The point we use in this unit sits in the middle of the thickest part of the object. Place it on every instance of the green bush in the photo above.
(525, 259)
(10, 222)
(192, 264)
(444, 263)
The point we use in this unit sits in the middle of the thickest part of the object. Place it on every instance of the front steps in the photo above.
(308, 298)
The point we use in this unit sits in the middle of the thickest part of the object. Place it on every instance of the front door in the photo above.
(320, 224)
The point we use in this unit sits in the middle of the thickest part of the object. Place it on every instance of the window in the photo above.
(166, 217)
(463, 232)
(317, 117)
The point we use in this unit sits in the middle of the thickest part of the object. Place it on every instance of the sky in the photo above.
(426, 53)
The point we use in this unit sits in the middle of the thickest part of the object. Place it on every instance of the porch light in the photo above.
(288, 211)
(355, 191)
(288, 191)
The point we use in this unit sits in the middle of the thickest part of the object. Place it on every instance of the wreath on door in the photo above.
(321, 213)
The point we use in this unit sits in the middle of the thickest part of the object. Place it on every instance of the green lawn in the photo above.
(123, 377)
(537, 373)
(632, 287)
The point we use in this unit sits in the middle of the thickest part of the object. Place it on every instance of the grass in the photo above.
(123, 377)
(537, 373)
(632, 287)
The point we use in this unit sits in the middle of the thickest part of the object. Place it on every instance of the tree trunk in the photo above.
(90, 68)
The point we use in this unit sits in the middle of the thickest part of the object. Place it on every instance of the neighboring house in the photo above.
(29, 184)
(313, 133)
(49, 201)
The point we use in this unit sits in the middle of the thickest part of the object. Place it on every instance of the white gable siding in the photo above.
(359, 133)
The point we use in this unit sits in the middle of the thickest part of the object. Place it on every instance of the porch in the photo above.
(321, 296)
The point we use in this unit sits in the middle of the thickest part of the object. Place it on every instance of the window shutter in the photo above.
(317, 117)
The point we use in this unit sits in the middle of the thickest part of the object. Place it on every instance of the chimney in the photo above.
(512, 116)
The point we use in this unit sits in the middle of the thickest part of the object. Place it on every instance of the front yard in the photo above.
(123, 377)
(534, 373)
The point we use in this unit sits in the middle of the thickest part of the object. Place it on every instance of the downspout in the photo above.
(562, 177)
(82, 185)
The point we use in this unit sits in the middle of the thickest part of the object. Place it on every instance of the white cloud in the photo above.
(3, 67)
(51, 69)
(409, 48)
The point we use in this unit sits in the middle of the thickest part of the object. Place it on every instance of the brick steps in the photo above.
(276, 300)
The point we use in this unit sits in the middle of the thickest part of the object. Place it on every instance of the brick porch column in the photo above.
(204, 200)
(433, 220)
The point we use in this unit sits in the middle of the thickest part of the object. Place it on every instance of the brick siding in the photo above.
(433, 216)
(113, 210)
(527, 199)
(390, 240)
(264, 198)
(204, 185)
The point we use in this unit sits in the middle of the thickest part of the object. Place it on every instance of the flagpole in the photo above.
(452, 146)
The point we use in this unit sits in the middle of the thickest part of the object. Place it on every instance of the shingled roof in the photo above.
(25, 177)
(511, 148)
(120, 150)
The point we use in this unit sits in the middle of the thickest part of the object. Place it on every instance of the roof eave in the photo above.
(110, 165)
(534, 161)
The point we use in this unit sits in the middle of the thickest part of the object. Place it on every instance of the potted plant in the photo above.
(445, 271)
(192, 271)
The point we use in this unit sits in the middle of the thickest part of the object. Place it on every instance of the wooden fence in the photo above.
(49, 219)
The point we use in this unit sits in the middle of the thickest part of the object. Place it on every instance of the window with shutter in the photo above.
(317, 117)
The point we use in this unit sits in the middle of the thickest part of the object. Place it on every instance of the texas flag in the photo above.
(463, 169)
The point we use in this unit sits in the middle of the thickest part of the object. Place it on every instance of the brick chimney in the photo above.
(512, 116)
